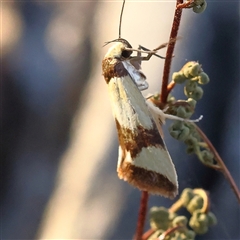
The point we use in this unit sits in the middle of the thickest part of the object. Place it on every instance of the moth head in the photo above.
(119, 50)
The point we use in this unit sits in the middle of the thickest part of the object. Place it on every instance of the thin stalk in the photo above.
(220, 162)
(142, 216)
(170, 49)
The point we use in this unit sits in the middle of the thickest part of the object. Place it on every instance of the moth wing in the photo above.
(143, 158)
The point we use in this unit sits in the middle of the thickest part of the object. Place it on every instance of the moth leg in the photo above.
(161, 115)
(150, 54)
(139, 58)
(139, 51)
(153, 52)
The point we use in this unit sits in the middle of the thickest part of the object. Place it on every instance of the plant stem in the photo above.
(170, 86)
(147, 234)
(176, 206)
(170, 49)
(220, 163)
(186, 4)
(169, 231)
(142, 215)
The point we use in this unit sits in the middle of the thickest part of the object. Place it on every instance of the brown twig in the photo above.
(186, 4)
(169, 231)
(170, 87)
(142, 215)
(147, 234)
(170, 49)
(220, 163)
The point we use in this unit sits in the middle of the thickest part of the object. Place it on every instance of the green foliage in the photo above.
(186, 196)
(193, 77)
(196, 203)
(159, 218)
(198, 6)
(200, 222)
(168, 225)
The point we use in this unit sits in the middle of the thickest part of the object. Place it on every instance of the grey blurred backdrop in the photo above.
(59, 143)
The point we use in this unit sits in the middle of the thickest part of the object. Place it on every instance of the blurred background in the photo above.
(59, 142)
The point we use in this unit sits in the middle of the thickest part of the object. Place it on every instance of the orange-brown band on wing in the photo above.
(147, 180)
(113, 68)
(134, 141)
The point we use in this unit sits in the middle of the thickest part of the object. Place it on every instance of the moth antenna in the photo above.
(120, 21)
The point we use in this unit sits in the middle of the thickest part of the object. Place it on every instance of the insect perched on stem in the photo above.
(143, 158)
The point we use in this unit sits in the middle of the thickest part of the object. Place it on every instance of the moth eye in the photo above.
(126, 54)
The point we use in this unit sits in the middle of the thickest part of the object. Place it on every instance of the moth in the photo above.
(143, 159)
